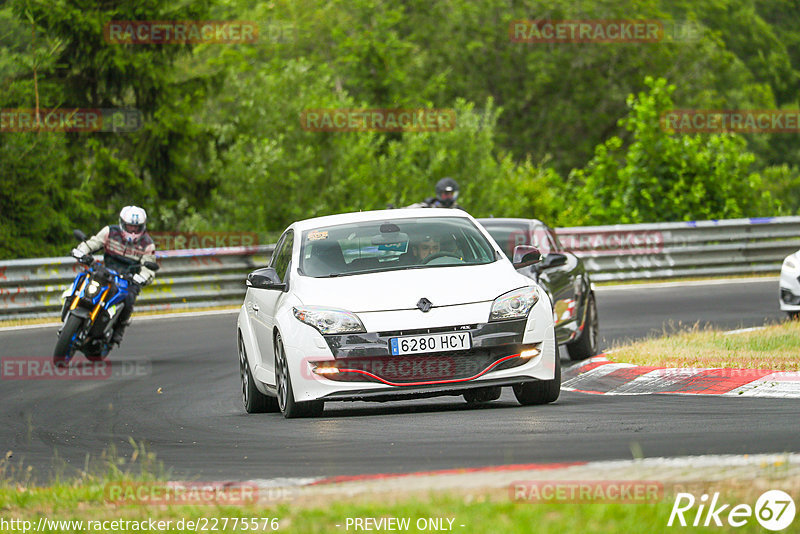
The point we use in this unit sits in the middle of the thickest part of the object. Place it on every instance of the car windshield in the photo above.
(509, 234)
(375, 246)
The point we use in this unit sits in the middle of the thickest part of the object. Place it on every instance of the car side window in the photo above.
(541, 240)
(555, 243)
(283, 254)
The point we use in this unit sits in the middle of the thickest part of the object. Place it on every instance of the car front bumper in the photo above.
(789, 293)
(366, 370)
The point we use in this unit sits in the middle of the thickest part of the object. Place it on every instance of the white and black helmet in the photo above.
(132, 221)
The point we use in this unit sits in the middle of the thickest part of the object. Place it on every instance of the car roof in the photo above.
(378, 215)
(501, 220)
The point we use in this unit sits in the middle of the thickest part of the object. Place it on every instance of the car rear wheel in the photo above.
(541, 392)
(482, 395)
(586, 345)
(253, 400)
(288, 406)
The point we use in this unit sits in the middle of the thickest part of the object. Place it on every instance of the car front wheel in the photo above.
(541, 392)
(482, 395)
(288, 406)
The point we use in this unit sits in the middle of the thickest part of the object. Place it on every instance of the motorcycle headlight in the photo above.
(92, 289)
(514, 304)
(329, 320)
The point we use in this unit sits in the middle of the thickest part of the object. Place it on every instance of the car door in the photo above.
(264, 303)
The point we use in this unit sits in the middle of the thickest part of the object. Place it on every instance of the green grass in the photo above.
(776, 347)
(80, 496)
(478, 512)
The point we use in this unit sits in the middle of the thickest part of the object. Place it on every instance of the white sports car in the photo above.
(789, 297)
(395, 304)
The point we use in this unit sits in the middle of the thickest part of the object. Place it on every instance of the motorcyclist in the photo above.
(124, 245)
(446, 196)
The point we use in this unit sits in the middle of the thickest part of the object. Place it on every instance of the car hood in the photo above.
(401, 290)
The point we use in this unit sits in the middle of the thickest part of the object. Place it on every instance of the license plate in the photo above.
(430, 343)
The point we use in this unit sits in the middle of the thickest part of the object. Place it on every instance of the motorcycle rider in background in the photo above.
(446, 196)
(124, 245)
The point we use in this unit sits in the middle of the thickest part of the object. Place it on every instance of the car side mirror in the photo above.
(554, 259)
(80, 236)
(266, 278)
(153, 266)
(525, 255)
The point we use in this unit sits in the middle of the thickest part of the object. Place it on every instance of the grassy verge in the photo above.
(83, 497)
(475, 512)
(773, 347)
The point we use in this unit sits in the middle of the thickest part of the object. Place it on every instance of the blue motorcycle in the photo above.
(92, 308)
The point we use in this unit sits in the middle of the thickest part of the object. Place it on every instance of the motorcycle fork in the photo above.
(78, 294)
(99, 305)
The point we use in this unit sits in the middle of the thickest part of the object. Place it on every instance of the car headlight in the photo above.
(514, 304)
(329, 320)
(789, 263)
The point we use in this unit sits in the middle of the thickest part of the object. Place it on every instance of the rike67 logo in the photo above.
(774, 510)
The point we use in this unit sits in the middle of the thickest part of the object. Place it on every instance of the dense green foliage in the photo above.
(566, 132)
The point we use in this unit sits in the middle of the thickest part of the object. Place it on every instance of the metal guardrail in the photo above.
(696, 248)
(186, 279)
(215, 277)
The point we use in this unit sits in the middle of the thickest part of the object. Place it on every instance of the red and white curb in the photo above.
(598, 375)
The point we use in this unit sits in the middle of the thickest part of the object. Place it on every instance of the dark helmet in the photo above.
(447, 191)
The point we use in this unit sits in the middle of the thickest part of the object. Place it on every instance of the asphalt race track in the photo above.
(181, 396)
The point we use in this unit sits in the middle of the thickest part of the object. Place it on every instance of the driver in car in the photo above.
(426, 246)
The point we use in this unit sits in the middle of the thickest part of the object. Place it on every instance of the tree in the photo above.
(665, 177)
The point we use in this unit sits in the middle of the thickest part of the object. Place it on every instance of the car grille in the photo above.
(416, 368)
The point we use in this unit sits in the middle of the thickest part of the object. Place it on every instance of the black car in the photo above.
(561, 274)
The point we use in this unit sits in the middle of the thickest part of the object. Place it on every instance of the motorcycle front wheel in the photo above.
(97, 353)
(65, 346)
